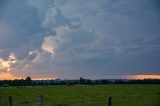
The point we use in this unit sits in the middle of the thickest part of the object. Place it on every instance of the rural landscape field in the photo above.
(84, 95)
(79, 52)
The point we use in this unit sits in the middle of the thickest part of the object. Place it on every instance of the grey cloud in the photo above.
(54, 18)
(98, 37)
(31, 56)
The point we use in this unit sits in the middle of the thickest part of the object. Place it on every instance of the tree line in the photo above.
(82, 81)
(17, 82)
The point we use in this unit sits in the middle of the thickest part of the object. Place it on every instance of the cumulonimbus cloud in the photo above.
(79, 35)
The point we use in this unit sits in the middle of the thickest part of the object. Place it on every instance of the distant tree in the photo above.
(28, 80)
(82, 80)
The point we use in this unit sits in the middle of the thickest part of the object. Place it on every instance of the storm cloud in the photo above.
(73, 38)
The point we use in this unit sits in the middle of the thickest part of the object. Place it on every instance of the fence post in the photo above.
(40, 100)
(10, 101)
(0, 101)
(110, 101)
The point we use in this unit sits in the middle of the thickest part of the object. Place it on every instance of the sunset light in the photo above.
(143, 77)
(7, 76)
(5, 65)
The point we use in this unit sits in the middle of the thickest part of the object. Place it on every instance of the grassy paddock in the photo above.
(123, 95)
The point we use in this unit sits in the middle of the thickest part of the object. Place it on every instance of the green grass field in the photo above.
(123, 95)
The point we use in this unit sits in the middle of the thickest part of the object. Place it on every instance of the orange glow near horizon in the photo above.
(9, 76)
(44, 78)
(143, 76)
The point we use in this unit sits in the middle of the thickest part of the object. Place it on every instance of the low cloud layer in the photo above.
(69, 39)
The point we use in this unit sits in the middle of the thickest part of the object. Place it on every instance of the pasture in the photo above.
(83, 95)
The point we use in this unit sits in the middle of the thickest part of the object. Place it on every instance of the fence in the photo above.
(40, 102)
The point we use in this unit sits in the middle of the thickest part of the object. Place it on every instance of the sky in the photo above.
(68, 39)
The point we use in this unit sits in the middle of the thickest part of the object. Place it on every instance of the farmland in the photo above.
(83, 95)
